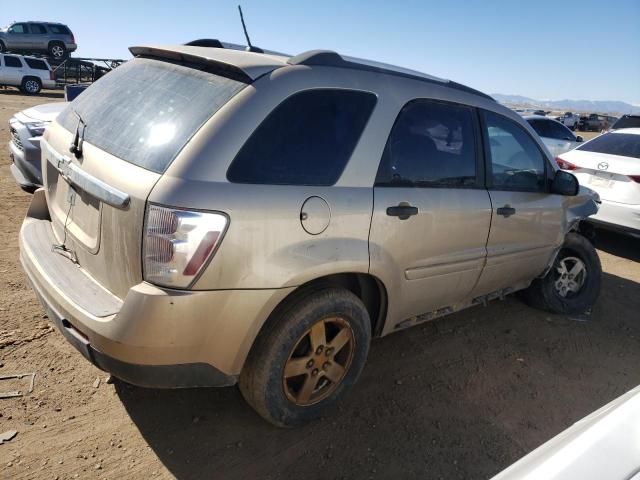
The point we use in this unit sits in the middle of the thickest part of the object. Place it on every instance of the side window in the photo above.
(18, 28)
(516, 161)
(59, 29)
(431, 144)
(560, 132)
(36, 64)
(540, 126)
(38, 29)
(12, 62)
(306, 140)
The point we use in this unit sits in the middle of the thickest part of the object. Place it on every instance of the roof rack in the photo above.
(329, 58)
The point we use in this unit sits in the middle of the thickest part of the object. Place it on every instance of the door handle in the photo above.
(403, 211)
(506, 211)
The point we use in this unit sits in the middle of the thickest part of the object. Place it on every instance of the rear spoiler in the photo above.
(242, 66)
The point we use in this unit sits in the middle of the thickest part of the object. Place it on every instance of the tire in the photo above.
(57, 50)
(287, 342)
(31, 85)
(547, 293)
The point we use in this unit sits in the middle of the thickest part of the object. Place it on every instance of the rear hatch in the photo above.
(125, 130)
(610, 165)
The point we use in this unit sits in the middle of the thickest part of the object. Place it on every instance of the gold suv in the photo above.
(212, 216)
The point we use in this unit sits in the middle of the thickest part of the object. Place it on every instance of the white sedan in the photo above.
(610, 165)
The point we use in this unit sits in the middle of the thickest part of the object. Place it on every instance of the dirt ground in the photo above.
(461, 397)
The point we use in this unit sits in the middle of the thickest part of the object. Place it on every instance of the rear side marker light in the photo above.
(564, 165)
(635, 178)
(179, 243)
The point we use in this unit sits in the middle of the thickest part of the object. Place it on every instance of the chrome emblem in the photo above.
(603, 166)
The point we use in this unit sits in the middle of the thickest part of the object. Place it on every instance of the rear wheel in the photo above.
(308, 357)
(573, 283)
(57, 50)
(31, 85)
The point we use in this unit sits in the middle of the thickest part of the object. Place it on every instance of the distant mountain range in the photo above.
(587, 106)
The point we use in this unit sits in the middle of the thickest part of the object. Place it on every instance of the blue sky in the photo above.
(541, 49)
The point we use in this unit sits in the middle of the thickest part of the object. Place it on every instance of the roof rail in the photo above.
(329, 58)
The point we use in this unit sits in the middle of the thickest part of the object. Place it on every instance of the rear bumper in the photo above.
(618, 216)
(154, 337)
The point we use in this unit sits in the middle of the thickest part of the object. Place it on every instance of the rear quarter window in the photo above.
(60, 29)
(623, 144)
(306, 140)
(36, 64)
(145, 111)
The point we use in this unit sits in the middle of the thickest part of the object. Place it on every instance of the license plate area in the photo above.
(602, 180)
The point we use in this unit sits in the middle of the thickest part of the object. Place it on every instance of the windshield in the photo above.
(623, 144)
(145, 111)
(627, 122)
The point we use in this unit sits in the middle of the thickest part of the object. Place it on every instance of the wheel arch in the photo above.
(368, 288)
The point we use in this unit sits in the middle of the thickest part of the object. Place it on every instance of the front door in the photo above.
(526, 224)
(431, 213)
(17, 37)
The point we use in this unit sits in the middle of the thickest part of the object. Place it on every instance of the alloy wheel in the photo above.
(57, 51)
(31, 86)
(319, 361)
(571, 276)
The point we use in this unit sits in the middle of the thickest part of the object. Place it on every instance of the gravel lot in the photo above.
(461, 397)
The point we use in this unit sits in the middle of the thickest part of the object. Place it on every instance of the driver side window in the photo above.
(516, 161)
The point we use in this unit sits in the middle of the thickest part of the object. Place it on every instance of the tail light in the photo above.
(52, 75)
(635, 178)
(73, 38)
(564, 165)
(179, 243)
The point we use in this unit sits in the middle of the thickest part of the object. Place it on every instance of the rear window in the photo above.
(59, 29)
(307, 139)
(627, 122)
(623, 144)
(36, 64)
(145, 111)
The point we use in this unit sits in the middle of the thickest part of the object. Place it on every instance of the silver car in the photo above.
(557, 137)
(55, 39)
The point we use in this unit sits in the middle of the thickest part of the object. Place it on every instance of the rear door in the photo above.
(431, 212)
(526, 224)
(128, 127)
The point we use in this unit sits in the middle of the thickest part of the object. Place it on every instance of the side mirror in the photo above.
(579, 139)
(565, 183)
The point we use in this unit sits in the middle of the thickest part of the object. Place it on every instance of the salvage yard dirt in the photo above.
(461, 397)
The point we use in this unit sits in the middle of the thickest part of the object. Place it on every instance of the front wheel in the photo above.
(573, 284)
(308, 357)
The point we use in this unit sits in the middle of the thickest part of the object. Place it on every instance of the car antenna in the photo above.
(250, 47)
